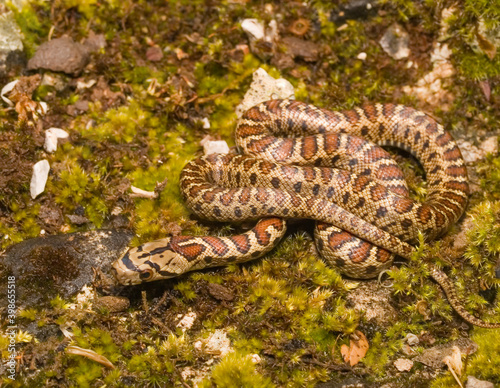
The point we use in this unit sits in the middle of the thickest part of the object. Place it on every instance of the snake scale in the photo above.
(300, 161)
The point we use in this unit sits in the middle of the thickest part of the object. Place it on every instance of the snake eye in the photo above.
(146, 274)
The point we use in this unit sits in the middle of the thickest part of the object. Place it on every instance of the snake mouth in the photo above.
(120, 277)
(125, 272)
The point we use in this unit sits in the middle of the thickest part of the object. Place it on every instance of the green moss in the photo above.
(485, 363)
(236, 370)
(34, 29)
(470, 59)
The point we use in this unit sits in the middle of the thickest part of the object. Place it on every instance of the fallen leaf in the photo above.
(358, 346)
(486, 88)
(90, 354)
(345, 351)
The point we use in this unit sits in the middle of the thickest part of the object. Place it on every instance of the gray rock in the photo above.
(433, 357)
(472, 382)
(11, 45)
(395, 42)
(375, 301)
(61, 54)
(45, 267)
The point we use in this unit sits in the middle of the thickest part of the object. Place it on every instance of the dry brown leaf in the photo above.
(486, 88)
(358, 346)
(345, 351)
(90, 354)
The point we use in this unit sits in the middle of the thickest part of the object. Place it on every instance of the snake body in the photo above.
(300, 161)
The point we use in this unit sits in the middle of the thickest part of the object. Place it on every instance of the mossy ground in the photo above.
(145, 124)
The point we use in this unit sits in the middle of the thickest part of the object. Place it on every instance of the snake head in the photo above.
(151, 261)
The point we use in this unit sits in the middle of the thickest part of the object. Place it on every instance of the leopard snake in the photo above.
(330, 168)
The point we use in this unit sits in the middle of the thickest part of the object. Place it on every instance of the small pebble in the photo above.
(263, 88)
(77, 220)
(395, 42)
(490, 145)
(412, 339)
(253, 28)
(361, 56)
(206, 123)
(256, 359)
(218, 344)
(472, 382)
(215, 147)
(51, 137)
(220, 292)
(60, 54)
(403, 364)
(39, 178)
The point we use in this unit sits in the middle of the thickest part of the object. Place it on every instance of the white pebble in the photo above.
(39, 178)
(6, 90)
(217, 344)
(256, 359)
(206, 123)
(51, 136)
(403, 364)
(253, 28)
(412, 339)
(215, 147)
(361, 56)
(263, 88)
(490, 145)
(187, 321)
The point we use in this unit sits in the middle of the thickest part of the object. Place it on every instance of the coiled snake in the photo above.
(365, 216)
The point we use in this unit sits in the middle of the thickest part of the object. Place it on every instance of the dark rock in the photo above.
(355, 9)
(297, 47)
(77, 219)
(82, 105)
(154, 54)
(45, 267)
(219, 292)
(61, 54)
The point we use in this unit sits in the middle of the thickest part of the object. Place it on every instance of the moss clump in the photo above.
(34, 28)
(236, 370)
(473, 49)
